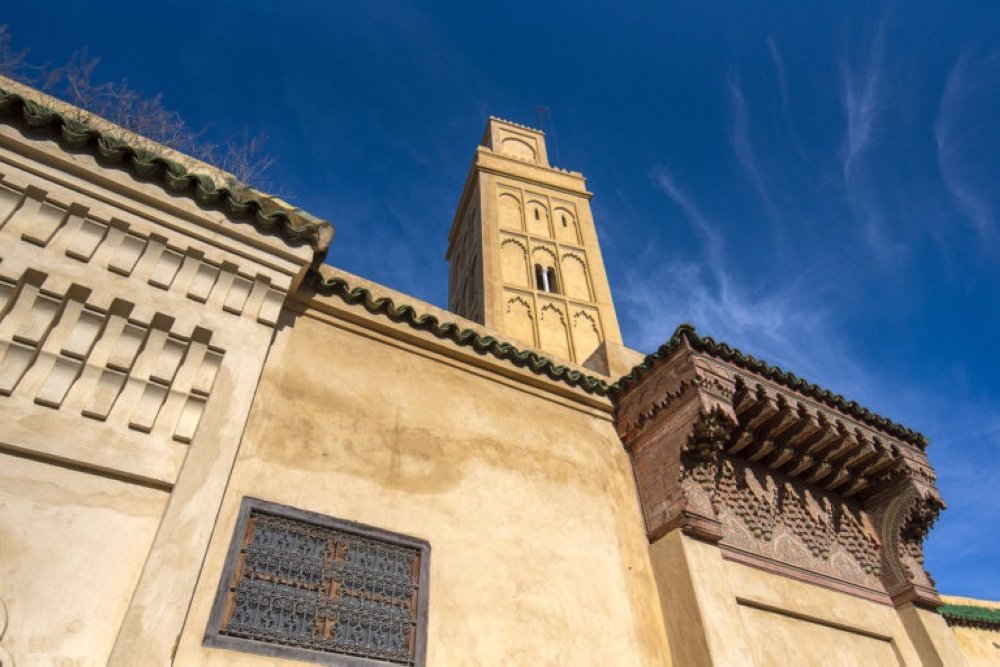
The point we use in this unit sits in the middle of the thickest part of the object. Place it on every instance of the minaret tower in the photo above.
(523, 251)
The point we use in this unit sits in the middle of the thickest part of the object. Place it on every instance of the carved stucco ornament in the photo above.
(778, 480)
(700, 458)
(904, 510)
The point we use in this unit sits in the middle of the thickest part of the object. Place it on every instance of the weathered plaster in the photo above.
(538, 552)
(71, 548)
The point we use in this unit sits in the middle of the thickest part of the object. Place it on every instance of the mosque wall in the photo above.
(520, 487)
(163, 369)
(133, 327)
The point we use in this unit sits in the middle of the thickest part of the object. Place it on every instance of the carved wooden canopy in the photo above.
(780, 474)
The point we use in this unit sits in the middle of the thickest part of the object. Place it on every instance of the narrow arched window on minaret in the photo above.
(540, 278)
(550, 275)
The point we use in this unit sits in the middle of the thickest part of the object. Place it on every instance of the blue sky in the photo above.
(815, 185)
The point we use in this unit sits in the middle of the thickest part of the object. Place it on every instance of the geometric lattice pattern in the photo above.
(298, 584)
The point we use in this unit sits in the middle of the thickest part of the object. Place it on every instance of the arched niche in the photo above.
(543, 260)
(509, 209)
(565, 226)
(514, 262)
(518, 321)
(574, 275)
(518, 148)
(543, 255)
(537, 214)
(552, 333)
(586, 335)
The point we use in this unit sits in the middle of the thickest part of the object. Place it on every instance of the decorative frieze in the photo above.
(777, 479)
(28, 215)
(51, 342)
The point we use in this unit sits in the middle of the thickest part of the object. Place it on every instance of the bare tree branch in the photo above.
(12, 63)
(144, 122)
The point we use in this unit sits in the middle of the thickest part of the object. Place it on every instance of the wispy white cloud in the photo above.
(784, 95)
(782, 318)
(955, 138)
(706, 229)
(864, 97)
(863, 100)
(742, 143)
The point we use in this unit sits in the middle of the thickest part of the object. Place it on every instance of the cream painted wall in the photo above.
(803, 616)
(72, 545)
(538, 552)
(720, 612)
(133, 327)
(980, 646)
(785, 640)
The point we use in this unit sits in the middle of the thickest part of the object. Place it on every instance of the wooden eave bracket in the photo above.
(691, 412)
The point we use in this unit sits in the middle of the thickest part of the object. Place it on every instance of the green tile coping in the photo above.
(964, 614)
(295, 226)
(466, 337)
(726, 353)
(543, 366)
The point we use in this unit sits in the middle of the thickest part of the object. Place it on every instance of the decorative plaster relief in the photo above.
(778, 481)
(27, 217)
(575, 280)
(52, 343)
(514, 262)
(790, 522)
(564, 222)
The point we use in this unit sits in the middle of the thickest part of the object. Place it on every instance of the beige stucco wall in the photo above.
(981, 646)
(72, 545)
(718, 611)
(796, 618)
(133, 327)
(538, 554)
(791, 640)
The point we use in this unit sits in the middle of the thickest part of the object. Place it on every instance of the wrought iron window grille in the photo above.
(306, 586)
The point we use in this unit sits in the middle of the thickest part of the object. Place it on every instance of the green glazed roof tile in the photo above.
(294, 225)
(451, 331)
(962, 614)
(686, 332)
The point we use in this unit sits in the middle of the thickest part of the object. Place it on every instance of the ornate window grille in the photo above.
(306, 586)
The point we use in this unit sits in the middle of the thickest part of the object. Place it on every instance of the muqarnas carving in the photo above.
(779, 474)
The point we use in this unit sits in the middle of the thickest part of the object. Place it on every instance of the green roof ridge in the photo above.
(971, 614)
(295, 226)
(775, 374)
(451, 331)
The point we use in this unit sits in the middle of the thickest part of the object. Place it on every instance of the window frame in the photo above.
(214, 638)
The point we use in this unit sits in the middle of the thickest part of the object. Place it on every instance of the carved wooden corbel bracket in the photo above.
(700, 460)
(903, 510)
(779, 479)
(675, 427)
